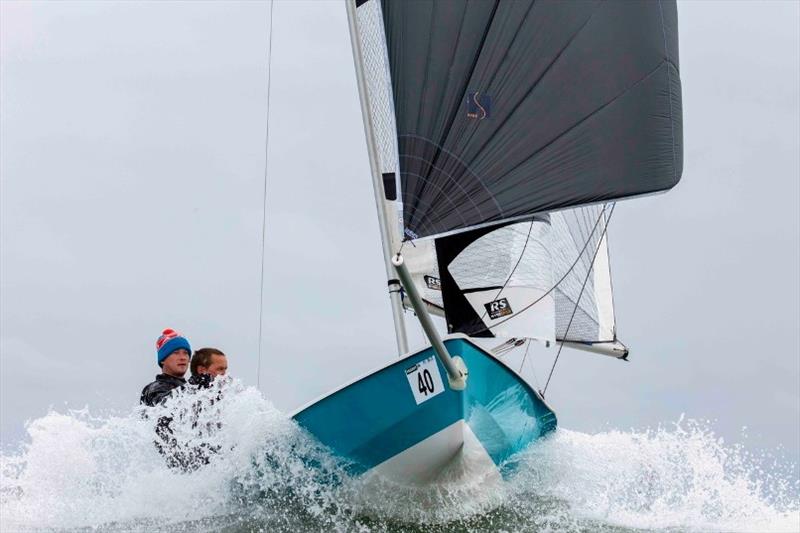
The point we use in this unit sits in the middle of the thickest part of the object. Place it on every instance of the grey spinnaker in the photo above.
(505, 109)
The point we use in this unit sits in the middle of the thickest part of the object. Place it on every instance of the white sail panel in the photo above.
(502, 273)
(375, 58)
(542, 269)
(604, 296)
(420, 259)
(583, 298)
(379, 83)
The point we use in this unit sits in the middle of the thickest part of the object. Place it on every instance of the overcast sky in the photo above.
(131, 178)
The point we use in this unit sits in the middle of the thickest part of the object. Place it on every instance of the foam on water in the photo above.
(671, 478)
(81, 471)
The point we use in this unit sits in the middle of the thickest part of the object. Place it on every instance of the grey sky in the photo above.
(131, 178)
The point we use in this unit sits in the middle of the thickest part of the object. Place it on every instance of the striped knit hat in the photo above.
(169, 341)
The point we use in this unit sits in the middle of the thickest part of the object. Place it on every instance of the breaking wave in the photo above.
(81, 472)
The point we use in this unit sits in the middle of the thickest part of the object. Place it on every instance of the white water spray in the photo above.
(80, 471)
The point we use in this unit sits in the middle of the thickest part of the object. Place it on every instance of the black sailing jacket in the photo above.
(177, 455)
(157, 391)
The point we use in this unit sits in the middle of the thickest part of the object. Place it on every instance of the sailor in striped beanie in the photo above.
(172, 355)
(169, 342)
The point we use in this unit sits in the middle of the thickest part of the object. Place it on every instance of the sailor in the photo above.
(207, 363)
(172, 355)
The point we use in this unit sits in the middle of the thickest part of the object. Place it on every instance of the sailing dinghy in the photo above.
(500, 134)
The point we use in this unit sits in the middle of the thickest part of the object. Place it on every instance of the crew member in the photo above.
(207, 363)
(172, 355)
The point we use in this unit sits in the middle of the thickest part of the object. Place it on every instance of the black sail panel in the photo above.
(459, 315)
(509, 108)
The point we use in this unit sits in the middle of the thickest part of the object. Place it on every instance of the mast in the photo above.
(377, 183)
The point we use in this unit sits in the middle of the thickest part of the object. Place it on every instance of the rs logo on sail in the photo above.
(433, 283)
(498, 308)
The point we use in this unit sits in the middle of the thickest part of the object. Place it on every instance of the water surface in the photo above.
(79, 472)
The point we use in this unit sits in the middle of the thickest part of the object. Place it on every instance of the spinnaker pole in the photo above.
(456, 369)
(377, 182)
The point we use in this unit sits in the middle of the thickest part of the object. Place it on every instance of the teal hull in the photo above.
(378, 417)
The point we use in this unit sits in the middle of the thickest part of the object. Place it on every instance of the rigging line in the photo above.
(567, 273)
(533, 369)
(527, 347)
(577, 301)
(264, 204)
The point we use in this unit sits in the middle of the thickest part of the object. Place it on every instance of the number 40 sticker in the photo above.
(425, 380)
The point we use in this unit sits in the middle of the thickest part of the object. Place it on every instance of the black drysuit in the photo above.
(177, 455)
(158, 391)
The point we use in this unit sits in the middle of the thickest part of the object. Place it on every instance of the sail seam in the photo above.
(442, 172)
(421, 201)
(456, 158)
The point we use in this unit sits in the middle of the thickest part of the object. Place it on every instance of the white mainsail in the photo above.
(381, 103)
(580, 257)
(503, 273)
(553, 272)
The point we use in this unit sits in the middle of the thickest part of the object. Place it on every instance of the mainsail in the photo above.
(505, 130)
(550, 279)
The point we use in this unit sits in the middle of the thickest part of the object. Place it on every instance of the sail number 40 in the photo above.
(425, 380)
